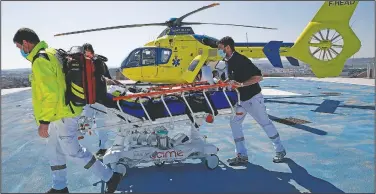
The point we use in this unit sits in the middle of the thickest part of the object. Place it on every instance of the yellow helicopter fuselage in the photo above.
(178, 54)
(184, 48)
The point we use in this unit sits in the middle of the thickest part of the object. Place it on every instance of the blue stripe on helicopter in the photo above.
(260, 44)
(271, 49)
(293, 61)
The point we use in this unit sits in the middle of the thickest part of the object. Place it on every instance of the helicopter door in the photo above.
(148, 63)
(169, 67)
(131, 65)
(195, 66)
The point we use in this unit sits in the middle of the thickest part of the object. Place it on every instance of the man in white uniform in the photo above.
(242, 72)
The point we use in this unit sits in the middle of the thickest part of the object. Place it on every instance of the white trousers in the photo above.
(63, 142)
(101, 133)
(98, 122)
(206, 74)
(257, 109)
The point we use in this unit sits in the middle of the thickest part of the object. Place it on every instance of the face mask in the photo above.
(221, 53)
(23, 53)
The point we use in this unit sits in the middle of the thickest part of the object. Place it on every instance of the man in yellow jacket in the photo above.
(56, 120)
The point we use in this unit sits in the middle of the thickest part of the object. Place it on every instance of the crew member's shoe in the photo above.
(100, 153)
(52, 190)
(239, 160)
(113, 183)
(279, 156)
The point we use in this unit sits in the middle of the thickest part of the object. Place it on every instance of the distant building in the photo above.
(371, 70)
(119, 75)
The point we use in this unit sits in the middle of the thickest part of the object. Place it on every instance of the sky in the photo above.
(49, 18)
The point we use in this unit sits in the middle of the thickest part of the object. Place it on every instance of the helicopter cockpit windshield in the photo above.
(147, 56)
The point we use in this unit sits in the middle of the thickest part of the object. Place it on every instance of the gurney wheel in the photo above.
(159, 164)
(212, 161)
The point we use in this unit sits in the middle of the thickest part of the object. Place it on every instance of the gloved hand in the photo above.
(232, 84)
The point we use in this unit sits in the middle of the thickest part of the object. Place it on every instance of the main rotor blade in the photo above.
(200, 23)
(179, 20)
(111, 28)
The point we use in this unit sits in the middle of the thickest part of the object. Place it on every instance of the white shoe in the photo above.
(239, 160)
(279, 156)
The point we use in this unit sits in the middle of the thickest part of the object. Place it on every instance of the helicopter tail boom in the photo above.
(272, 50)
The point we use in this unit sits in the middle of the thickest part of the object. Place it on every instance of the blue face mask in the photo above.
(221, 53)
(23, 53)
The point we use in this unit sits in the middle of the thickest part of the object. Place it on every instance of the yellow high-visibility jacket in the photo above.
(48, 87)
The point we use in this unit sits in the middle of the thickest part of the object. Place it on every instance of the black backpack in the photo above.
(84, 84)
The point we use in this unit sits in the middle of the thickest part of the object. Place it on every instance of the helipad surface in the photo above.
(334, 152)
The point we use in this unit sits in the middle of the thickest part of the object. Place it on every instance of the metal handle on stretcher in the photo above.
(238, 95)
(146, 112)
(118, 104)
(228, 100)
(143, 107)
(207, 100)
(164, 103)
(169, 112)
(189, 107)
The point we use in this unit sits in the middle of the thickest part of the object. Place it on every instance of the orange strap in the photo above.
(171, 91)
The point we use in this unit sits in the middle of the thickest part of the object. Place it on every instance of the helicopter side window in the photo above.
(148, 56)
(134, 59)
(193, 65)
(165, 56)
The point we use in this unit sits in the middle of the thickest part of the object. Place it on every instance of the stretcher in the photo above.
(148, 117)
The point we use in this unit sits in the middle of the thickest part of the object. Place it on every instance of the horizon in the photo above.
(117, 44)
(254, 61)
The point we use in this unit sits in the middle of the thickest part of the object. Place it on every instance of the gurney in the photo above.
(175, 105)
(149, 115)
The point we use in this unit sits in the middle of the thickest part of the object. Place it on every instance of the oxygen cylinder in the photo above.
(142, 138)
(134, 138)
(152, 139)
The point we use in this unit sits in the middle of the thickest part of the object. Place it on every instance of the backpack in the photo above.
(82, 80)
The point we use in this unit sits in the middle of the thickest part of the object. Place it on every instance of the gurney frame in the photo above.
(122, 154)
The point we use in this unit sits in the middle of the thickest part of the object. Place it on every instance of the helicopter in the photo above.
(178, 54)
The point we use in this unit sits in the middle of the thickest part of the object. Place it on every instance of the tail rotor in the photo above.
(326, 45)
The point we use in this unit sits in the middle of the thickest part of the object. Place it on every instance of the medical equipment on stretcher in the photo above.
(148, 117)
